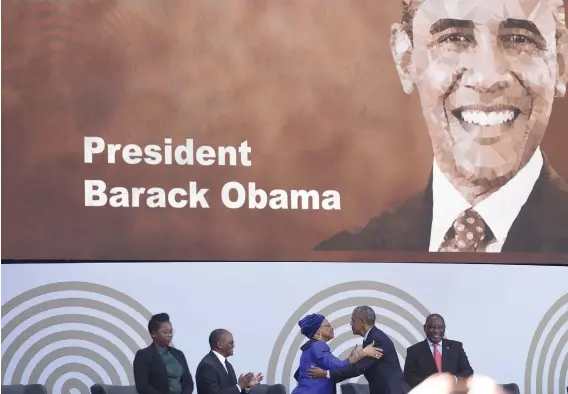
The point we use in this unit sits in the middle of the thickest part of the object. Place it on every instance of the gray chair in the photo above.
(24, 389)
(511, 388)
(268, 389)
(110, 389)
(355, 388)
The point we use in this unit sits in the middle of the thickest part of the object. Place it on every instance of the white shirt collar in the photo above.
(499, 210)
(220, 357)
(367, 334)
(431, 344)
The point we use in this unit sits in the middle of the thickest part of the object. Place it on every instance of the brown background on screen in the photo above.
(310, 84)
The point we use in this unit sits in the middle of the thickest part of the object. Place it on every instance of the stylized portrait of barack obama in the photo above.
(487, 72)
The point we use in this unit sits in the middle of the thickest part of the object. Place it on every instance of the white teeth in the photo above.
(487, 119)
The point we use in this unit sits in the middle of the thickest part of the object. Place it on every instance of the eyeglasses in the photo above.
(436, 327)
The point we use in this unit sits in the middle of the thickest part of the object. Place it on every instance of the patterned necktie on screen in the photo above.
(437, 358)
(467, 234)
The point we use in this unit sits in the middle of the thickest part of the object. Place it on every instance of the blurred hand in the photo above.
(371, 351)
(483, 385)
(317, 373)
(446, 384)
(354, 351)
(245, 380)
(256, 379)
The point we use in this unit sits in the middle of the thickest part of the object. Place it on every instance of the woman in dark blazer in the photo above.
(160, 368)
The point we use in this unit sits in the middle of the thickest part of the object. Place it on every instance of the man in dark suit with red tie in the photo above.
(435, 355)
(215, 374)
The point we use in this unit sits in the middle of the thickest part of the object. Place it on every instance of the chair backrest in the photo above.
(268, 389)
(355, 388)
(110, 389)
(24, 389)
(511, 388)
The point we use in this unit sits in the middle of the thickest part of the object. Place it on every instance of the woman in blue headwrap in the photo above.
(316, 353)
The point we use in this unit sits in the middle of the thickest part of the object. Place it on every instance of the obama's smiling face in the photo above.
(487, 72)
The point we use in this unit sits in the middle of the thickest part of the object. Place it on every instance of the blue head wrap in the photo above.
(310, 324)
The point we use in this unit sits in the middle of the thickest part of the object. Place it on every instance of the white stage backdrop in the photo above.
(70, 325)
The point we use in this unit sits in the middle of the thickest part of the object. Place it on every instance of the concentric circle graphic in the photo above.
(399, 315)
(546, 370)
(70, 335)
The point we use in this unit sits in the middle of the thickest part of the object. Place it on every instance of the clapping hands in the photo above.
(256, 379)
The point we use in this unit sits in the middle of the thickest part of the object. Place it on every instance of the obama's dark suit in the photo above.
(540, 227)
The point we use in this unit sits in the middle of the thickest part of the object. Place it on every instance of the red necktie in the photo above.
(437, 358)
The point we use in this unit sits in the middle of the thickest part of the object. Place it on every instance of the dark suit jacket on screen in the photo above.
(384, 375)
(212, 378)
(420, 363)
(150, 373)
(540, 227)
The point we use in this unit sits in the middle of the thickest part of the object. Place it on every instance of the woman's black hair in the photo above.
(156, 321)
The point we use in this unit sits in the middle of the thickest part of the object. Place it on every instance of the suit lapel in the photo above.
(519, 239)
(232, 374)
(408, 226)
(428, 356)
(370, 336)
(542, 223)
(447, 354)
(158, 359)
(220, 366)
(418, 224)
